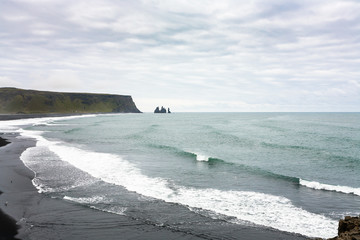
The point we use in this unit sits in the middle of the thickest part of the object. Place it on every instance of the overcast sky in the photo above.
(273, 55)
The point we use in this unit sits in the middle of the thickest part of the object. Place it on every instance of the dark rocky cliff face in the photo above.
(349, 229)
(13, 100)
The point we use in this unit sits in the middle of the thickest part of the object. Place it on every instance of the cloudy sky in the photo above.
(228, 55)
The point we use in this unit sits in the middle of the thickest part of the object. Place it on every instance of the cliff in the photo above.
(349, 229)
(13, 100)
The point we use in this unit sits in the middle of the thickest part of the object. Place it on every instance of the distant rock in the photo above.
(349, 229)
(162, 110)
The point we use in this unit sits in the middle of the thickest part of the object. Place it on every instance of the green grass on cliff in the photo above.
(13, 100)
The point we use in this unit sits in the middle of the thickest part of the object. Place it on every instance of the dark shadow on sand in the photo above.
(8, 226)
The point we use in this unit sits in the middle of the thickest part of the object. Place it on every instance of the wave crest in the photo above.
(328, 187)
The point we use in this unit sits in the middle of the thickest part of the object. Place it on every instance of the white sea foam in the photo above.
(258, 208)
(92, 201)
(41, 187)
(25, 157)
(114, 209)
(34, 154)
(202, 158)
(88, 200)
(328, 187)
(262, 209)
(9, 125)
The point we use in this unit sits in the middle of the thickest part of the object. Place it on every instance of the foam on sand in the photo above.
(12, 125)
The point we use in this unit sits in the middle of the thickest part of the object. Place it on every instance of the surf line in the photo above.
(328, 187)
(247, 206)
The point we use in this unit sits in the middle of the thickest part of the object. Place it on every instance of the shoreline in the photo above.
(6, 117)
(38, 216)
(41, 217)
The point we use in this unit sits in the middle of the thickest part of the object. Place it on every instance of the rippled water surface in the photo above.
(295, 172)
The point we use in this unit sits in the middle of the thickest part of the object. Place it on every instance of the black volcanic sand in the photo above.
(42, 217)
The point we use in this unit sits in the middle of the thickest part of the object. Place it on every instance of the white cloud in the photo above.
(8, 82)
(118, 18)
(58, 80)
(39, 1)
(330, 92)
(43, 32)
(185, 6)
(138, 23)
(43, 29)
(354, 83)
(17, 18)
(337, 10)
(109, 44)
(92, 14)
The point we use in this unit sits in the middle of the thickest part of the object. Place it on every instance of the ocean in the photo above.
(292, 172)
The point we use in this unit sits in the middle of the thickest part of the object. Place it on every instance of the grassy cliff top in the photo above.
(14, 100)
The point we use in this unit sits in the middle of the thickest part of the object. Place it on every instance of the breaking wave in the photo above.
(328, 187)
(258, 208)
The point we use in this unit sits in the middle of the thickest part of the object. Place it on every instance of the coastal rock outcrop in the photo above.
(162, 110)
(349, 229)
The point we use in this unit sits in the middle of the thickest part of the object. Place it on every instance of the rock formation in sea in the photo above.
(349, 229)
(14, 100)
(162, 110)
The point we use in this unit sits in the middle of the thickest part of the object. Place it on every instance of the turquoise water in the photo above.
(294, 172)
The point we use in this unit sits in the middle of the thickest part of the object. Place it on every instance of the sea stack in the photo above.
(162, 110)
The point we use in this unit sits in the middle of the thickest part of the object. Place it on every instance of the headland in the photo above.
(20, 101)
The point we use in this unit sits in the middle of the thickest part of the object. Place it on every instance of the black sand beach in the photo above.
(40, 217)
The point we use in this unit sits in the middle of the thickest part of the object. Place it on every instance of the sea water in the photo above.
(293, 172)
